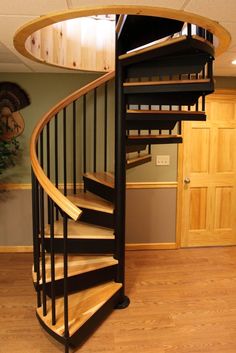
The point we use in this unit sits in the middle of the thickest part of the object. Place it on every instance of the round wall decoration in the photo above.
(12, 99)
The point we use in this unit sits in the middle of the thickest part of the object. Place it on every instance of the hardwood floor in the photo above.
(182, 301)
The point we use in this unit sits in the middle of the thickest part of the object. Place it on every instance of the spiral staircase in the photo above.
(79, 168)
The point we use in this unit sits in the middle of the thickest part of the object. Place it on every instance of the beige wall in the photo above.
(150, 215)
(15, 217)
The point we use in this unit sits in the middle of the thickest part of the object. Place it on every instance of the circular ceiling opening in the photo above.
(85, 39)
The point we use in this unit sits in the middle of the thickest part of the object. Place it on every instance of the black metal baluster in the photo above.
(197, 106)
(95, 131)
(203, 102)
(74, 147)
(84, 134)
(56, 156)
(210, 69)
(149, 132)
(105, 127)
(200, 31)
(180, 128)
(42, 231)
(34, 216)
(36, 244)
(160, 108)
(43, 260)
(209, 36)
(120, 171)
(64, 152)
(170, 109)
(48, 162)
(52, 257)
(37, 204)
(65, 256)
(203, 72)
(189, 30)
(139, 107)
(203, 33)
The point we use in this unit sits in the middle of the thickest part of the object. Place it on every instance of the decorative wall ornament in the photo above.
(12, 99)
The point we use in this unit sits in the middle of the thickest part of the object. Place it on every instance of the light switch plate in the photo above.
(163, 160)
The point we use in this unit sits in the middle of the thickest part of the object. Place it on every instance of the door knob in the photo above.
(186, 180)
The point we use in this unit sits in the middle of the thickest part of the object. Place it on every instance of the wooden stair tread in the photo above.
(135, 162)
(80, 230)
(91, 201)
(140, 158)
(161, 45)
(143, 137)
(160, 83)
(81, 306)
(77, 264)
(167, 112)
(102, 178)
(152, 47)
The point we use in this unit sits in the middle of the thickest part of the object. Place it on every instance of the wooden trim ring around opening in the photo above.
(31, 27)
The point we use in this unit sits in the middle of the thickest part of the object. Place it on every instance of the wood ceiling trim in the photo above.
(29, 28)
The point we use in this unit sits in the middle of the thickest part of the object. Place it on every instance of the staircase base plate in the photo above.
(124, 304)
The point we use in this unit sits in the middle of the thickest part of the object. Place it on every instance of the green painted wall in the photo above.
(45, 90)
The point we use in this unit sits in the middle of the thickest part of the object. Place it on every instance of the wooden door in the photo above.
(208, 212)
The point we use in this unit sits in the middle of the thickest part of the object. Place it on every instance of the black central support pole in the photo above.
(120, 176)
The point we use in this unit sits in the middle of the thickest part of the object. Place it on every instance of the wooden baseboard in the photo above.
(151, 246)
(139, 246)
(16, 249)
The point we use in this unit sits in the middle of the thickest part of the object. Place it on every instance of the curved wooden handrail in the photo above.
(62, 201)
